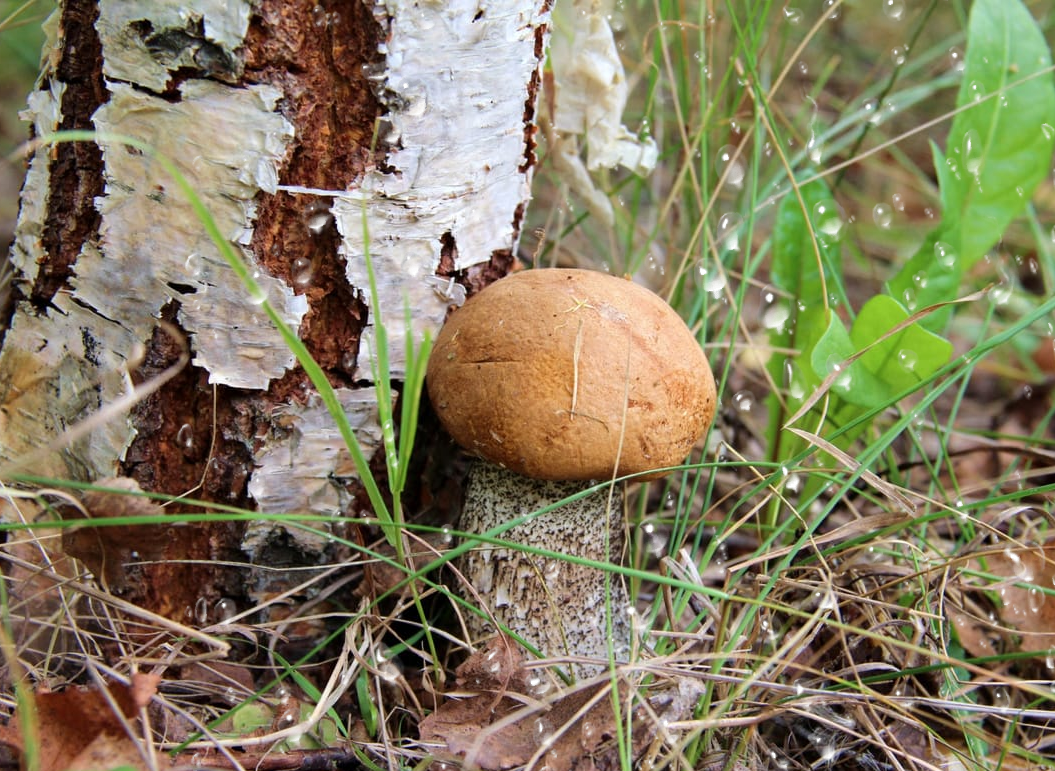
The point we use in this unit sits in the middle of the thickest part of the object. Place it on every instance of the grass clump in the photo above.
(853, 208)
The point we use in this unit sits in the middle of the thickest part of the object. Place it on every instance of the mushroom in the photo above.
(556, 377)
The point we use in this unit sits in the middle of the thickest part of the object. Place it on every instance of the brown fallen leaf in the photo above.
(36, 572)
(1024, 606)
(502, 718)
(107, 550)
(78, 729)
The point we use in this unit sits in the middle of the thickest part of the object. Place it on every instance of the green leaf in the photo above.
(855, 385)
(1001, 147)
(889, 366)
(998, 150)
(902, 360)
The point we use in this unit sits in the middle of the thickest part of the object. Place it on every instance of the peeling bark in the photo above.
(269, 108)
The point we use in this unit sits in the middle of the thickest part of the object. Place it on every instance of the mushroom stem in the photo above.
(558, 606)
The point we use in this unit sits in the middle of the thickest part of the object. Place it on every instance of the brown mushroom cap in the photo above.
(546, 372)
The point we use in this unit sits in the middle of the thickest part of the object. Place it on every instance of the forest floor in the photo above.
(856, 566)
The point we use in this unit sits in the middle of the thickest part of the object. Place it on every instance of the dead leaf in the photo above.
(502, 717)
(1024, 606)
(107, 550)
(78, 728)
(36, 572)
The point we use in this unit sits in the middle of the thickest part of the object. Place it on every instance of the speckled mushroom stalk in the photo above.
(561, 607)
(555, 378)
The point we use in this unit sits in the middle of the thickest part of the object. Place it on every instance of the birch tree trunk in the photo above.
(271, 109)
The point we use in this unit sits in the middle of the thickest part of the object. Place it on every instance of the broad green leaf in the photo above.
(998, 150)
(855, 384)
(904, 359)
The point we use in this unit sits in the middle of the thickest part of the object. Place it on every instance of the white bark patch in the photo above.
(455, 83)
(592, 91)
(143, 43)
(43, 111)
(591, 97)
(57, 370)
(304, 465)
(228, 142)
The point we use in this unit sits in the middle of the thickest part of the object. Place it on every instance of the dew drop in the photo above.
(908, 359)
(301, 273)
(775, 310)
(1035, 598)
(1048, 129)
(730, 166)
(972, 152)
(712, 280)
(899, 54)
(894, 9)
(832, 9)
(843, 379)
(1000, 292)
(828, 220)
(225, 609)
(729, 231)
(590, 733)
(956, 61)
(792, 15)
(976, 90)
(318, 221)
(898, 202)
(743, 401)
(185, 439)
(193, 265)
(792, 381)
(883, 215)
(201, 611)
(944, 254)
(1001, 697)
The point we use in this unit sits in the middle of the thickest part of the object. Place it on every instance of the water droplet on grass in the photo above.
(894, 9)
(956, 61)
(729, 231)
(883, 215)
(1000, 292)
(730, 166)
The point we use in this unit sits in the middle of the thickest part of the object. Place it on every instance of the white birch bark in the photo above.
(457, 79)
